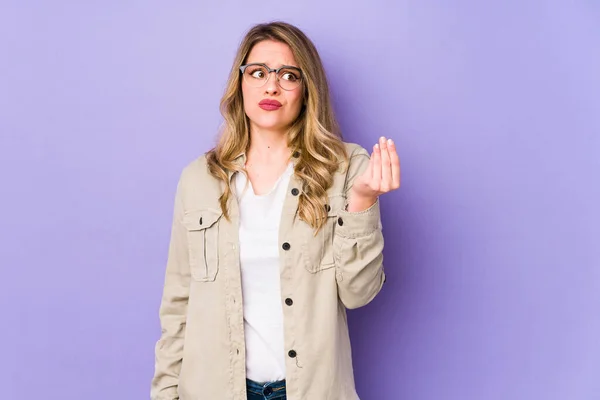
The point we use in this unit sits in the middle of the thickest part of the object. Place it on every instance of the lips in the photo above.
(269, 105)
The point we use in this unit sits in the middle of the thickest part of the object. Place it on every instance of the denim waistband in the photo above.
(270, 390)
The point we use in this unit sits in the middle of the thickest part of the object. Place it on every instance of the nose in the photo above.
(272, 87)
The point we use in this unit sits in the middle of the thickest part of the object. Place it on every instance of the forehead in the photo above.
(274, 54)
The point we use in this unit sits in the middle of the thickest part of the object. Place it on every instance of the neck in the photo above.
(267, 146)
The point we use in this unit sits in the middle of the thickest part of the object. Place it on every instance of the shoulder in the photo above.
(197, 185)
(355, 150)
(358, 161)
(196, 170)
(358, 158)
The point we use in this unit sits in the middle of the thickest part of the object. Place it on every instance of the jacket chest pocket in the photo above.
(318, 251)
(203, 243)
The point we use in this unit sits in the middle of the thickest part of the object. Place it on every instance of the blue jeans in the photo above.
(266, 391)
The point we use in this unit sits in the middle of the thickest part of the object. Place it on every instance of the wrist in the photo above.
(357, 203)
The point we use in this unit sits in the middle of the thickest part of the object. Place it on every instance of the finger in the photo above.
(376, 182)
(395, 162)
(386, 170)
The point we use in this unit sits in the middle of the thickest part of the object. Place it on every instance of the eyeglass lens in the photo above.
(257, 76)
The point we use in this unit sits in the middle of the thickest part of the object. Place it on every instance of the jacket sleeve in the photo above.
(173, 310)
(358, 241)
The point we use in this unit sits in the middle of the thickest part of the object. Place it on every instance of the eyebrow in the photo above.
(282, 65)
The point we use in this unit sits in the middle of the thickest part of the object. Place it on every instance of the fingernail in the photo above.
(377, 146)
(390, 142)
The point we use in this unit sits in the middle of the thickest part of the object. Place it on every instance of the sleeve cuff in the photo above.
(360, 223)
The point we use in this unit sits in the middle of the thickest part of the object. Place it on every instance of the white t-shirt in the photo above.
(259, 259)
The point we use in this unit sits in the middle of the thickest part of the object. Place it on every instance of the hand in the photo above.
(381, 176)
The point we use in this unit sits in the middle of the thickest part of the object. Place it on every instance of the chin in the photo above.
(270, 124)
(271, 127)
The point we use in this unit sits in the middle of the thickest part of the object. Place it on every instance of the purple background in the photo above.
(492, 243)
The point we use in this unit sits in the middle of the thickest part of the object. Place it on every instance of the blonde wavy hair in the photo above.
(315, 134)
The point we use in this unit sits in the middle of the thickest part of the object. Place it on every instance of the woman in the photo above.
(276, 231)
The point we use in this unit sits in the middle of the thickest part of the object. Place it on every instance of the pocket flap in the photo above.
(201, 219)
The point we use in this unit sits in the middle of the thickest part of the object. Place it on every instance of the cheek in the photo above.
(295, 100)
(246, 95)
(249, 99)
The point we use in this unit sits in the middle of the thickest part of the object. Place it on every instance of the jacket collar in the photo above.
(240, 161)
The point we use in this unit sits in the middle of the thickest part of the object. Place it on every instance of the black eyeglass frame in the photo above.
(276, 70)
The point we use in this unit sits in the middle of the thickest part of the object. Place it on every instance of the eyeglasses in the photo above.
(257, 75)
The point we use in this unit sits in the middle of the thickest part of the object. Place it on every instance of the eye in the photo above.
(289, 75)
(256, 72)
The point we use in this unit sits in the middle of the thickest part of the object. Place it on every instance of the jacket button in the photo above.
(340, 221)
(200, 221)
(327, 207)
(295, 191)
(292, 354)
(289, 301)
(286, 246)
(296, 154)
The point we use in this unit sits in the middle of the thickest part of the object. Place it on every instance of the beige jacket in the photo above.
(201, 352)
